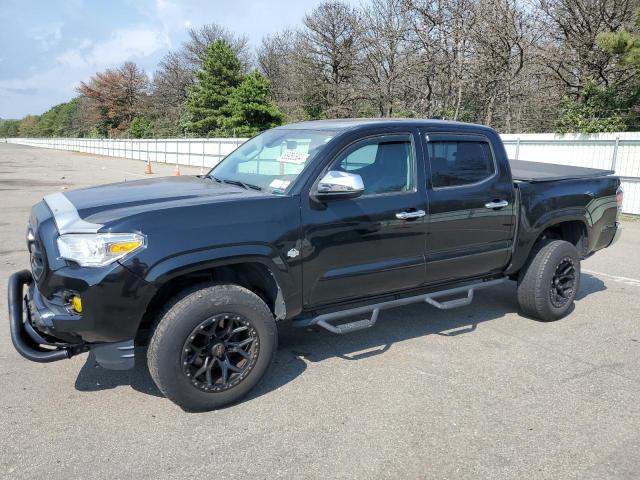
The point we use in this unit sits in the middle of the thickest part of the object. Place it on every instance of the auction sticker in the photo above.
(278, 184)
(292, 156)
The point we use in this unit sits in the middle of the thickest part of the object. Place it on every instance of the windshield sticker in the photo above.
(292, 156)
(278, 184)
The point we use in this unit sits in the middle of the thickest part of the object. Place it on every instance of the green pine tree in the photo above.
(250, 110)
(208, 98)
(597, 109)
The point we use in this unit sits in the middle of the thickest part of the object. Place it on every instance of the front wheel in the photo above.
(212, 346)
(547, 286)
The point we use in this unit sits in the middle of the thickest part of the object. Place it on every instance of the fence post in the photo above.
(614, 158)
(517, 148)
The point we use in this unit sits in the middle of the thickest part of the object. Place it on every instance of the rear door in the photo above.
(472, 215)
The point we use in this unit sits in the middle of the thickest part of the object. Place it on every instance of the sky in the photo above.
(48, 47)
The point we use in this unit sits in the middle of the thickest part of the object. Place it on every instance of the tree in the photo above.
(142, 127)
(9, 128)
(176, 73)
(170, 89)
(443, 31)
(572, 52)
(501, 43)
(388, 56)
(28, 126)
(331, 44)
(115, 97)
(625, 47)
(280, 61)
(250, 110)
(63, 120)
(207, 99)
(594, 111)
(201, 38)
(525, 66)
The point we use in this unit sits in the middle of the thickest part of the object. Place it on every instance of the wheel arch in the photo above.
(573, 231)
(252, 270)
(572, 228)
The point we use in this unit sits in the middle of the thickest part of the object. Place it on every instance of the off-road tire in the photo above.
(536, 280)
(177, 322)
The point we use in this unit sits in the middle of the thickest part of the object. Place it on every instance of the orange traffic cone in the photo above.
(177, 170)
(147, 169)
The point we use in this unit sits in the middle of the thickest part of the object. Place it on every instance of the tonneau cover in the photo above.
(548, 172)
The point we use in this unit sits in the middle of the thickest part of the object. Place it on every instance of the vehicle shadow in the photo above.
(92, 377)
(297, 346)
(412, 321)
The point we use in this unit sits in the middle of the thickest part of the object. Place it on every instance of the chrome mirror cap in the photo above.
(340, 184)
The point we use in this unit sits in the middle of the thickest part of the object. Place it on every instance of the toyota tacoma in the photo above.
(321, 223)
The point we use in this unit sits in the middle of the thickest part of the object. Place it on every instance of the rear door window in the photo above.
(456, 163)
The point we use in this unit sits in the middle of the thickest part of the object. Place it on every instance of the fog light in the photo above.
(76, 304)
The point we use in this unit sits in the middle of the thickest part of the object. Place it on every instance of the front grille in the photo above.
(36, 252)
(37, 259)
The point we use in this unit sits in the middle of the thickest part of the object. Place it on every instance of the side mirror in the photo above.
(336, 184)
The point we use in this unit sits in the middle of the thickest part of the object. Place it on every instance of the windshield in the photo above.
(272, 160)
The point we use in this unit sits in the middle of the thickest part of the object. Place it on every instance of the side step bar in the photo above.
(430, 298)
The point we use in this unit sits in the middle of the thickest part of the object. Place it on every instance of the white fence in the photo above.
(619, 152)
(200, 152)
(612, 151)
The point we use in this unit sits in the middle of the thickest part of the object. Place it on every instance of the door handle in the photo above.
(497, 204)
(410, 215)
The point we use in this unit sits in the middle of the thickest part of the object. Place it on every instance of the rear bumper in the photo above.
(616, 236)
(38, 346)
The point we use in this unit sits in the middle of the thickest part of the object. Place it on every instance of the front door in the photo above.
(472, 212)
(372, 244)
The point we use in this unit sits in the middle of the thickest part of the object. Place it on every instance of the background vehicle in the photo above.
(313, 222)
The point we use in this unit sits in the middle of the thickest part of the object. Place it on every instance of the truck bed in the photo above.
(547, 172)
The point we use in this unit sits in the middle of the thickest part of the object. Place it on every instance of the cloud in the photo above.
(48, 35)
(21, 90)
(122, 45)
(57, 83)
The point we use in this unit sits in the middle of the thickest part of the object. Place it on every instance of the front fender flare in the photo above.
(189, 262)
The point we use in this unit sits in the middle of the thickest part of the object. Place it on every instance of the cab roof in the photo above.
(344, 124)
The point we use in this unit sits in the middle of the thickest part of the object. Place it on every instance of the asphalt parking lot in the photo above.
(478, 392)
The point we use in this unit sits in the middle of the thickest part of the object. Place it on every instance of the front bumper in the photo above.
(32, 332)
(25, 339)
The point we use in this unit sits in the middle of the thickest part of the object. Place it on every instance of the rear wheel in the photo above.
(212, 346)
(547, 286)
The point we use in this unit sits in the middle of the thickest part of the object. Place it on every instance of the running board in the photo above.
(430, 298)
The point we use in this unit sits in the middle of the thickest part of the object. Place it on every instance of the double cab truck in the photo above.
(323, 223)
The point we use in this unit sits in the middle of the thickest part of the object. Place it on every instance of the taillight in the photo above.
(619, 197)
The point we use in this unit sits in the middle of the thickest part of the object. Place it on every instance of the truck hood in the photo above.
(108, 203)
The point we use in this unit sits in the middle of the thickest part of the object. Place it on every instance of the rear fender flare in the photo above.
(529, 235)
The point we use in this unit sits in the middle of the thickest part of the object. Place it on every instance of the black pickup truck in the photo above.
(320, 223)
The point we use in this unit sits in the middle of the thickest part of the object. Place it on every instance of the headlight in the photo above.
(99, 249)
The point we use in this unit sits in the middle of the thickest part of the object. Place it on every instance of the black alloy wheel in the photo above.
(220, 352)
(563, 283)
